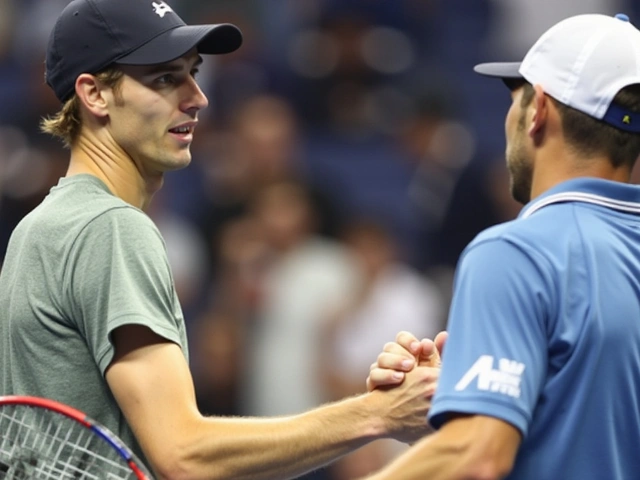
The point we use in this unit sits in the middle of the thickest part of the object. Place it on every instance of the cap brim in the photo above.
(172, 44)
(499, 70)
(508, 72)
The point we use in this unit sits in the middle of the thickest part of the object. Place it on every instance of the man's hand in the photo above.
(401, 356)
(405, 406)
(406, 373)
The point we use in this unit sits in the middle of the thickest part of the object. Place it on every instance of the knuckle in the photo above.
(403, 337)
(389, 346)
(380, 360)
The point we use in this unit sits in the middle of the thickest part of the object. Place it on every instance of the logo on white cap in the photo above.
(161, 9)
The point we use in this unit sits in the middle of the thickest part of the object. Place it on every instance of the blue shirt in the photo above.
(545, 332)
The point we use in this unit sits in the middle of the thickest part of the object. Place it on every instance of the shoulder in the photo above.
(125, 217)
(530, 250)
(83, 203)
(545, 234)
(123, 229)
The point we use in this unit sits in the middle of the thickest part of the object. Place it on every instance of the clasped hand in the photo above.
(410, 367)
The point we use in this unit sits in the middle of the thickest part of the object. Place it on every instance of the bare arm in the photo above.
(150, 379)
(465, 448)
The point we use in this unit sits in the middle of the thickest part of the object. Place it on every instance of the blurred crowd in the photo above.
(348, 155)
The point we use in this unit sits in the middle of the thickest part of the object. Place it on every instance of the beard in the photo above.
(520, 165)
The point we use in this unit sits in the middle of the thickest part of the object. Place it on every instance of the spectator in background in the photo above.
(260, 146)
(306, 277)
(187, 254)
(220, 335)
(439, 148)
(218, 340)
(13, 71)
(391, 297)
(27, 171)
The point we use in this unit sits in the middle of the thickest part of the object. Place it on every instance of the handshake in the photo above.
(402, 383)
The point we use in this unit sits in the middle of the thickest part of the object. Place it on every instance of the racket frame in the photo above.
(84, 420)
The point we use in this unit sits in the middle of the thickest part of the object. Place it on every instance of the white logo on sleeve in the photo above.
(506, 379)
(161, 9)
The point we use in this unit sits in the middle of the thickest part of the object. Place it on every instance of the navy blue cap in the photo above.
(90, 35)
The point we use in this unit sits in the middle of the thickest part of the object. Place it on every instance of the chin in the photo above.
(521, 191)
(179, 162)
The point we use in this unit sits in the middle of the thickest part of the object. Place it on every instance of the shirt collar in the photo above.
(619, 196)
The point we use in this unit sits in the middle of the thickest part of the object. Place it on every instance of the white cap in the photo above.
(582, 62)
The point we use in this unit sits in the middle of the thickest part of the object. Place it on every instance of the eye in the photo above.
(195, 72)
(167, 79)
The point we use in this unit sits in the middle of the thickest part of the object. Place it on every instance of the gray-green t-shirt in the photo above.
(78, 266)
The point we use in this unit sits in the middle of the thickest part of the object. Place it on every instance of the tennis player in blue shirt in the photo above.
(541, 373)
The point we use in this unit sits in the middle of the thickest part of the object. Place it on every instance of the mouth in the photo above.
(183, 132)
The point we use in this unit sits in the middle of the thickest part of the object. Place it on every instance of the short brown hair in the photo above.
(66, 124)
(590, 136)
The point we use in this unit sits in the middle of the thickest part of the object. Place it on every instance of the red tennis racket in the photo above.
(41, 440)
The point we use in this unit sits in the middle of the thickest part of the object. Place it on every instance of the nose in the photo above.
(194, 98)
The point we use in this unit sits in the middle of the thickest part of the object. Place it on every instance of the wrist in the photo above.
(375, 412)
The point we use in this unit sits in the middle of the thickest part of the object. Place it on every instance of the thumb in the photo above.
(440, 340)
(429, 354)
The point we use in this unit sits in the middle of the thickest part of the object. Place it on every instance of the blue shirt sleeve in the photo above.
(495, 359)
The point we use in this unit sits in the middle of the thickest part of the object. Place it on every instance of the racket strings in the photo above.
(39, 444)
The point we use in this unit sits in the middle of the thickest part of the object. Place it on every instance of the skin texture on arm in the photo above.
(466, 448)
(152, 384)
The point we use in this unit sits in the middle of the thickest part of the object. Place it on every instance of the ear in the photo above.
(92, 95)
(540, 110)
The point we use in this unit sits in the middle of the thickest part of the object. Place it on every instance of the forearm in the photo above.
(465, 448)
(283, 447)
(153, 387)
(428, 458)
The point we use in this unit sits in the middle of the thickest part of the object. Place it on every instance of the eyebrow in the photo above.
(170, 68)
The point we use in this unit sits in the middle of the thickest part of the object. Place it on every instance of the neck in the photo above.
(562, 164)
(111, 164)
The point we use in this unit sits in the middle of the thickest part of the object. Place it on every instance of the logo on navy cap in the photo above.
(161, 9)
